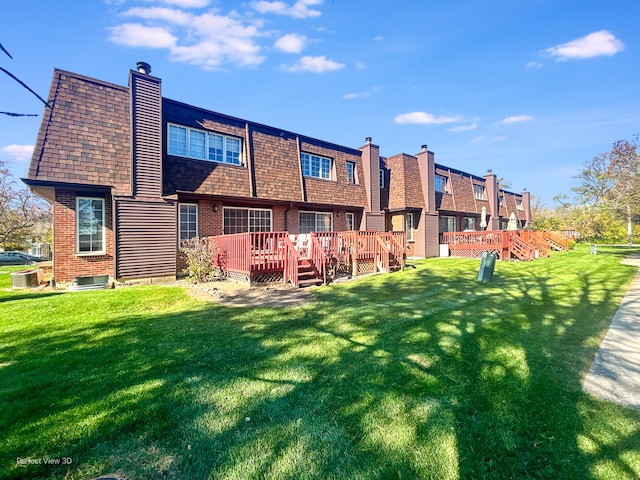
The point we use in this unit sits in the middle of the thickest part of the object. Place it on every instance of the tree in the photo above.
(611, 181)
(21, 212)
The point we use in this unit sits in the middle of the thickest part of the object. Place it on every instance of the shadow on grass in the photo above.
(15, 295)
(423, 374)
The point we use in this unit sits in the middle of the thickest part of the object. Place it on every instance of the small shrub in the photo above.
(201, 259)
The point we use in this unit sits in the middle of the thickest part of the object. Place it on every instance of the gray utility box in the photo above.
(25, 279)
(487, 265)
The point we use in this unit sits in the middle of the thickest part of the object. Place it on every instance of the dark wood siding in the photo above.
(147, 135)
(146, 239)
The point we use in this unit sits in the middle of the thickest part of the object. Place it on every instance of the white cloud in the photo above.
(299, 9)
(463, 128)
(534, 65)
(484, 138)
(378, 38)
(187, 3)
(425, 118)
(515, 119)
(314, 64)
(355, 96)
(210, 40)
(291, 43)
(137, 35)
(593, 45)
(19, 152)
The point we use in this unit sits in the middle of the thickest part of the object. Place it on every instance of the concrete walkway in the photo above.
(615, 372)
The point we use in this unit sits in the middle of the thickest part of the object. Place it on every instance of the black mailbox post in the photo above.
(487, 265)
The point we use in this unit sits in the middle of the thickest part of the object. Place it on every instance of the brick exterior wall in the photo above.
(66, 264)
(85, 137)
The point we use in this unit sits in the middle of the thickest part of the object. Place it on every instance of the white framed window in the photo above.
(519, 205)
(351, 221)
(194, 143)
(468, 223)
(90, 226)
(315, 222)
(187, 222)
(504, 224)
(351, 172)
(441, 183)
(500, 200)
(478, 192)
(242, 220)
(410, 227)
(381, 178)
(316, 166)
(447, 224)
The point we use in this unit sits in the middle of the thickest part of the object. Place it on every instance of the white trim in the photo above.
(353, 220)
(180, 239)
(410, 226)
(330, 171)
(103, 250)
(248, 209)
(316, 213)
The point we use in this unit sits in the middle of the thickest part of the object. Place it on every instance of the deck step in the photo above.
(309, 282)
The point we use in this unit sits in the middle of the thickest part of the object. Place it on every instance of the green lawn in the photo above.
(425, 373)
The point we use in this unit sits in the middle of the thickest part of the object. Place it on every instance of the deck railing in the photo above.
(263, 252)
(252, 252)
(535, 238)
(556, 240)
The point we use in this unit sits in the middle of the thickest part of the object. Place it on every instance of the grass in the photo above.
(425, 373)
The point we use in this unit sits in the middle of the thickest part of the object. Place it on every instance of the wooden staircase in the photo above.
(308, 273)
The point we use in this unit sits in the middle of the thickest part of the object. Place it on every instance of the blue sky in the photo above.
(530, 89)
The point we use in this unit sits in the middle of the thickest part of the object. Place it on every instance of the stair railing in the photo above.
(318, 257)
(291, 262)
(381, 255)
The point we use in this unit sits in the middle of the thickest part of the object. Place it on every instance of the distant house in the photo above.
(130, 174)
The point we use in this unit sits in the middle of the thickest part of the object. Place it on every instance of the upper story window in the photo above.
(90, 226)
(316, 166)
(478, 192)
(500, 200)
(193, 143)
(441, 184)
(351, 172)
(519, 205)
(381, 178)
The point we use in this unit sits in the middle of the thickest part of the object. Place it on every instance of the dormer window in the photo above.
(441, 184)
(478, 192)
(316, 166)
(202, 145)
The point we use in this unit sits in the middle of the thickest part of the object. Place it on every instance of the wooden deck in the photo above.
(262, 257)
(506, 244)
